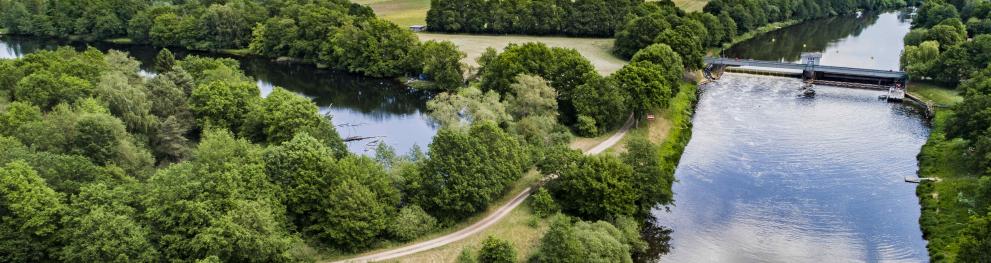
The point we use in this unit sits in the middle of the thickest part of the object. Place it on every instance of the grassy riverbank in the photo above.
(945, 211)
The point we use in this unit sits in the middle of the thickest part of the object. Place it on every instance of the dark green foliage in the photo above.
(45, 89)
(598, 104)
(647, 83)
(30, 215)
(932, 13)
(411, 222)
(496, 250)
(16, 114)
(283, 114)
(373, 47)
(596, 187)
(976, 240)
(683, 42)
(442, 64)
(653, 184)
(564, 69)
(351, 217)
(539, 17)
(164, 61)
(468, 169)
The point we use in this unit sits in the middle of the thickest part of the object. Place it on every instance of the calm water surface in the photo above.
(771, 177)
(360, 106)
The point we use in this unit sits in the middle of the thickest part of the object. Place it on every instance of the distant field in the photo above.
(414, 12)
(596, 50)
(402, 12)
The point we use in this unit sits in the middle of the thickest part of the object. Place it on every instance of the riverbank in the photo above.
(944, 214)
(715, 51)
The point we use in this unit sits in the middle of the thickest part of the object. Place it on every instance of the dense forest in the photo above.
(101, 163)
(950, 43)
(595, 18)
(333, 33)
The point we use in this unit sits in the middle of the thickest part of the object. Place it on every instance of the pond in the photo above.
(772, 177)
(360, 106)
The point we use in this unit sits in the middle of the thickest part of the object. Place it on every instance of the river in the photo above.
(360, 106)
(772, 177)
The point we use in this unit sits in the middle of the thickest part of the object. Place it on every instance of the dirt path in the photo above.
(484, 223)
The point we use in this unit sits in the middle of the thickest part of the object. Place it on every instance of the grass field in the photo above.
(596, 50)
(691, 5)
(402, 12)
(937, 94)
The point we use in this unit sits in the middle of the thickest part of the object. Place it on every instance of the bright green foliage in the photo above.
(468, 169)
(946, 35)
(916, 36)
(597, 187)
(299, 167)
(16, 114)
(442, 64)
(411, 222)
(283, 114)
(647, 84)
(206, 70)
(466, 256)
(63, 173)
(223, 104)
(533, 105)
(543, 203)
(46, 89)
(127, 100)
(976, 240)
(933, 12)
(496, 250)
(600, 104)
(218, 204)
(105, 236)
(30, 214)
(586, 242)
(372, 47)
(919, 61)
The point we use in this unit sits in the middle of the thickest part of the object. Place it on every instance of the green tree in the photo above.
(283, 114)
(496, 250)
(466, 106)
(647, 84)
(467, 169)
(46, 89)
(596, 187)
(299, 167)
(411, 222)
(683, 40)
(104, 236)
(663, 56)
(583, 242)
(223, 104)
(351, 218)
(16, 114)
(975, 240)
(600, 105)
(372, 47)
(442, 64)
(164, 61)
(31, 214)
(543, 203)
(645, 159)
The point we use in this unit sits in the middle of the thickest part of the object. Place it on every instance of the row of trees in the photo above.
(942, 48)
(598, 18)
(336, 33)
(721, 20)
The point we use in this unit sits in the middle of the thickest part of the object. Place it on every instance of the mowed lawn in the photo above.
(402, 12)
(596, 50)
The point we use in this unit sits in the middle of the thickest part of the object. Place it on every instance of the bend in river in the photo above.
(772, 177)
(360, 106)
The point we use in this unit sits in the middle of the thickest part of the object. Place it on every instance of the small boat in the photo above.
(808, 90)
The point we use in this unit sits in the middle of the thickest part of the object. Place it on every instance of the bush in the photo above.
(543, 204)
(496, 250)
(412, 222)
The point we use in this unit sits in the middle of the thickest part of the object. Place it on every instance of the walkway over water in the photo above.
(821, 72)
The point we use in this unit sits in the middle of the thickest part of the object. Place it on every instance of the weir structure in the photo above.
(895, 82)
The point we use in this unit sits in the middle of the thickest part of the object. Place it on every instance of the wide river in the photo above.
(360, 106)
(771, 177)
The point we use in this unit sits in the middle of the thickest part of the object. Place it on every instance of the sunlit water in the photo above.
(360, 106)
(772, 177)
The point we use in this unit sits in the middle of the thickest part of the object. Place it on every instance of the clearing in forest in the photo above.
(402, 12)
(596, 50)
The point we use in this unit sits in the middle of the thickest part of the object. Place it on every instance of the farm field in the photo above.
(402, 12)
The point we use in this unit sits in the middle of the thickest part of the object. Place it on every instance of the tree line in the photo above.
(949, 43)
(335, 33)
(595, 18)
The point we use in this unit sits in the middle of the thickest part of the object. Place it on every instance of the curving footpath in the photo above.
(485, 222)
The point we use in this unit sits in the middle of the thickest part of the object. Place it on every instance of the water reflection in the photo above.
(771, 177)
(869, 41)
(361, 106)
